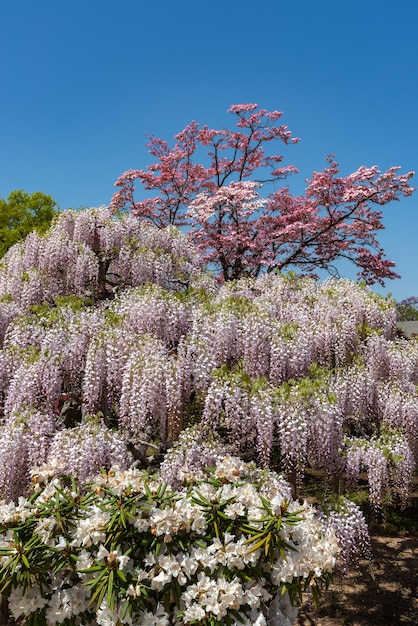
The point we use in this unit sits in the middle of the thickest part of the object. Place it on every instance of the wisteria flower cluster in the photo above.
(388, 461)
(286, 368)
(229, 548)
(92, 252)
(116, 345)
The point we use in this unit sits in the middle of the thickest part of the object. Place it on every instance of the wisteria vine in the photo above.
(115, 342)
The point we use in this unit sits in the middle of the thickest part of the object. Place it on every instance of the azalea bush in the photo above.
(230, 547)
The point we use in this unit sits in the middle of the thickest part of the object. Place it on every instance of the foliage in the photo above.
(408, 309)
(22, 213)
(126, 549)
(116, 343)
(241, 233)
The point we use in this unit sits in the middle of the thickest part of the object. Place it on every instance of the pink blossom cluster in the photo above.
(210, 181)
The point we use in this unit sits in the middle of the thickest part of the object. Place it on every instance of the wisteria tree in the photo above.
(241, 232)
(120, 354)
(112, 316)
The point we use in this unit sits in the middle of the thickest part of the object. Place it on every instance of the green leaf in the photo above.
(267, 546)
(121, 575)
(25, 561)
(89, 570)
(99, 594)
(95, 581)
(110, 596)
(257, 545)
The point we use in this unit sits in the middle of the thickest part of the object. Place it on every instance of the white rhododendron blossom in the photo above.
(129, 550)
(25, 602)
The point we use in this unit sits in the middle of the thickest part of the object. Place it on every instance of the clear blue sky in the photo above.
(82, 81)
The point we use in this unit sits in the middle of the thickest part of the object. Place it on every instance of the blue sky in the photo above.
(82, 81)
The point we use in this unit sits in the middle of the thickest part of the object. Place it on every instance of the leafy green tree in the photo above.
(22, 213)
(408, 309)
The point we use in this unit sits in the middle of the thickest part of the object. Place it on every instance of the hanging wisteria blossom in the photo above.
(118, 349)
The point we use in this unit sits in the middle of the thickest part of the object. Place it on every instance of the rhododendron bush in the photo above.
(119, 350)
(229, 548)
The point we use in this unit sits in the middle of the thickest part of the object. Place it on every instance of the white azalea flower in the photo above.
(23, 603)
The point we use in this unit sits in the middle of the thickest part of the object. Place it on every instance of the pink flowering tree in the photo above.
(243, 233)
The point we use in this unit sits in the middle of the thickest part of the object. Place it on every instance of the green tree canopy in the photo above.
(408, 309)
(22, 213)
